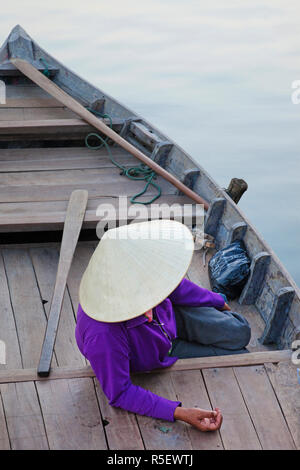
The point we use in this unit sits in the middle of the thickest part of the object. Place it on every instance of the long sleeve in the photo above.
(188, 293)
(109, 358)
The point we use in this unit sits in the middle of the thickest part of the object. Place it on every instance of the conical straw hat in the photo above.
(134, 268)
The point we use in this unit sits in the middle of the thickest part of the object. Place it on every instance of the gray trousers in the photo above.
(206, 331)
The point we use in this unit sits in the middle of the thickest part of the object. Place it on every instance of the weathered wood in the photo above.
(20, 44)
(72, 227)
(279, 314)
(45, 262)
(76, 107)
(80, 261)
(189, 178)
(236, 360)
(284, 380)
(98, 105)
(4, 439)
(145, 135)
(32, 96)
(214, 216)
(263, 408)
(44, 126)
(7, 69)
(237, 430)
(258, 268)
(161, 152)
(29, 103)
(50, 215)
(8, 332)
(27, 305)
(237, 232)
(121, 427)
(71, 414)
(236, 189)
(190, 390)
(23, 415)
(159, 434)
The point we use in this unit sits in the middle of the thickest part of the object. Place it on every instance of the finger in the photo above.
(218, 421)
(208, 414)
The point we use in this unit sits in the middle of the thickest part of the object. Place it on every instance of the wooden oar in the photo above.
(73, 222)
(37, 77)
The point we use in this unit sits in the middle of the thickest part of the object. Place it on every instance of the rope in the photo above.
(140, 172)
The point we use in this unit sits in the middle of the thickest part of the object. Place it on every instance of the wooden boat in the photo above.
(43, 158)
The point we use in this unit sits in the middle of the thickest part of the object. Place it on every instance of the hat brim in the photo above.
(132, 271)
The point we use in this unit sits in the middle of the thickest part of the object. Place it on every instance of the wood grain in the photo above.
(8, 332)
(264, 409)
(26, 303)
(45, 262)
(283, 377)
(160, 434)
(71, 414)
(237, 430)
(190, 390)
(23, 414)
(121, 427)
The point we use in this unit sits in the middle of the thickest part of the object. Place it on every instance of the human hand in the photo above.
(226, 307)
(203, 420)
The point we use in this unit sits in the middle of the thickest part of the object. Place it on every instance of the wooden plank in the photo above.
(43, 126)
(71, 414)
(81, 259)
(22, 114)
(27, 304)
(9, 70)
(30, 103)
(10, 114)
(28, 96)
(45, 262)
(237, 430)
(8, 332)
(160, 434)
(62, 177)
(33, 114)
(18, 375)
(264, 409)
(72, 228)
(121, 427)
(50, 215)
(283, 377)
(60, 154)
(190, 390)
(23, 414)
(4, 438)
(110, 185)
(84, 162)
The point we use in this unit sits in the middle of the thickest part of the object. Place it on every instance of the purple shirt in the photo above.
(116, 349)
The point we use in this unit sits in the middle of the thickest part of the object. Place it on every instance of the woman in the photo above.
(137, 313)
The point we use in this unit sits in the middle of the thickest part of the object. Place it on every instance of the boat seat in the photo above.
(41, 128)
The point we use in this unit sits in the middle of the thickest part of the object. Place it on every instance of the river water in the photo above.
(215, 76)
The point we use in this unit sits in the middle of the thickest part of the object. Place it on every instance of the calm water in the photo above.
(215, 76)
